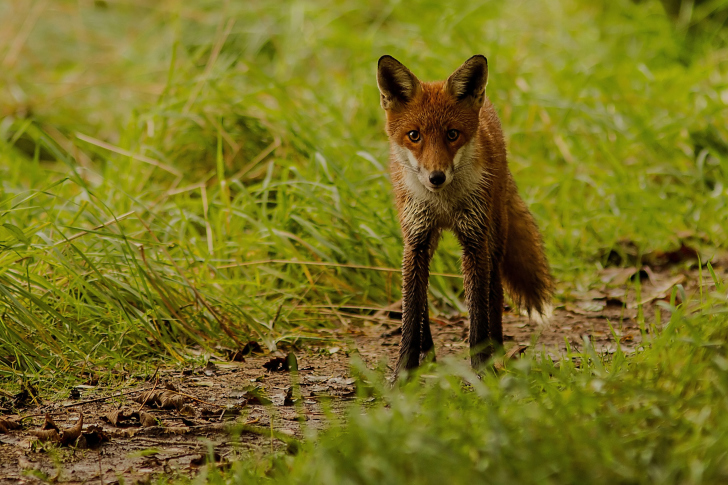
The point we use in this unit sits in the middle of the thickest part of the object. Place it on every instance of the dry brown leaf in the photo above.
(171, 400)
(511, 354)
(117, 416)
(8, 424)
(147, 419)
(46, 435)
(187, 410)
(148, 398)
(71, 434)
(50, 424)
(617, 276)
(592, 306)
(514, 351)
(662, 289)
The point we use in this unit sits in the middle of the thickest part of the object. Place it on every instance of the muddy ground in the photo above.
(180, 415)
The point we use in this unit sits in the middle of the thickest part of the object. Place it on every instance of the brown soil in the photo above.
(226, 394)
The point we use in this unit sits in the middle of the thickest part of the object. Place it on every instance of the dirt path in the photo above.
(256, 398)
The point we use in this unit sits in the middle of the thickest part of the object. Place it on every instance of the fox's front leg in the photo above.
(415, 273)
(427, 350)
(477, 267)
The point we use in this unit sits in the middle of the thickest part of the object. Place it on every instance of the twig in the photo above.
(149, 394)
(333, 265)
(126, 393)
(163, 442)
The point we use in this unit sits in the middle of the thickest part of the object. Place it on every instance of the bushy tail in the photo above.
(525, 270)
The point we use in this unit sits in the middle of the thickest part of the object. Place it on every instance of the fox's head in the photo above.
(432, 125)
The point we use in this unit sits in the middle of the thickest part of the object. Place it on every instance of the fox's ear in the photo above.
(467, 83)
(397, 84)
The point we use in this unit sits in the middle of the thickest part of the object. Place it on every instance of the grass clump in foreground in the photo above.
(656, 417)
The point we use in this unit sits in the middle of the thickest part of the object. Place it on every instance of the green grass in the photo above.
(147, 149)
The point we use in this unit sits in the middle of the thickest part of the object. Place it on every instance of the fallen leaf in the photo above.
(50, 424)
(592, 305)
(71, 434)
(116, 417)
(660, 291)
(147, 420)
(171, 400)
(515, 351)
(166, 399)
(7, 424)
(316, 378)
(46, 435)
(617, 276)
(187, 410)
(341, 381)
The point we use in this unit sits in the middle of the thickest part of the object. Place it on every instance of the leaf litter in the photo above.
(250, 399)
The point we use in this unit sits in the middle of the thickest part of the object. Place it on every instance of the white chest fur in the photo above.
(442, 207)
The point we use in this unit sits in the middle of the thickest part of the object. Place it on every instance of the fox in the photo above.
(449, 171)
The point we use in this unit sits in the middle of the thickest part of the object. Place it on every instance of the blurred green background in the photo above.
(147, 149)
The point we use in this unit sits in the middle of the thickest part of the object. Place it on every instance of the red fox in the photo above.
(449, 171)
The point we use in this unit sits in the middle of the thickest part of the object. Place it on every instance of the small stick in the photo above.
(322, 263)
(149, 394)
(125, 393)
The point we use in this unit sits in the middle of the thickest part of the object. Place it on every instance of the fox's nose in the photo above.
(437, 177)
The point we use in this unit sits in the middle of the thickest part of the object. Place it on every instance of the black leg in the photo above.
(476, 282)
(415, 272)
(428, 346)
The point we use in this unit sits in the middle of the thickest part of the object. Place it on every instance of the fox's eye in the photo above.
(453, 135)
(414, 135)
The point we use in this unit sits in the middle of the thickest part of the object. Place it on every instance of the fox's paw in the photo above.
(428, 356)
